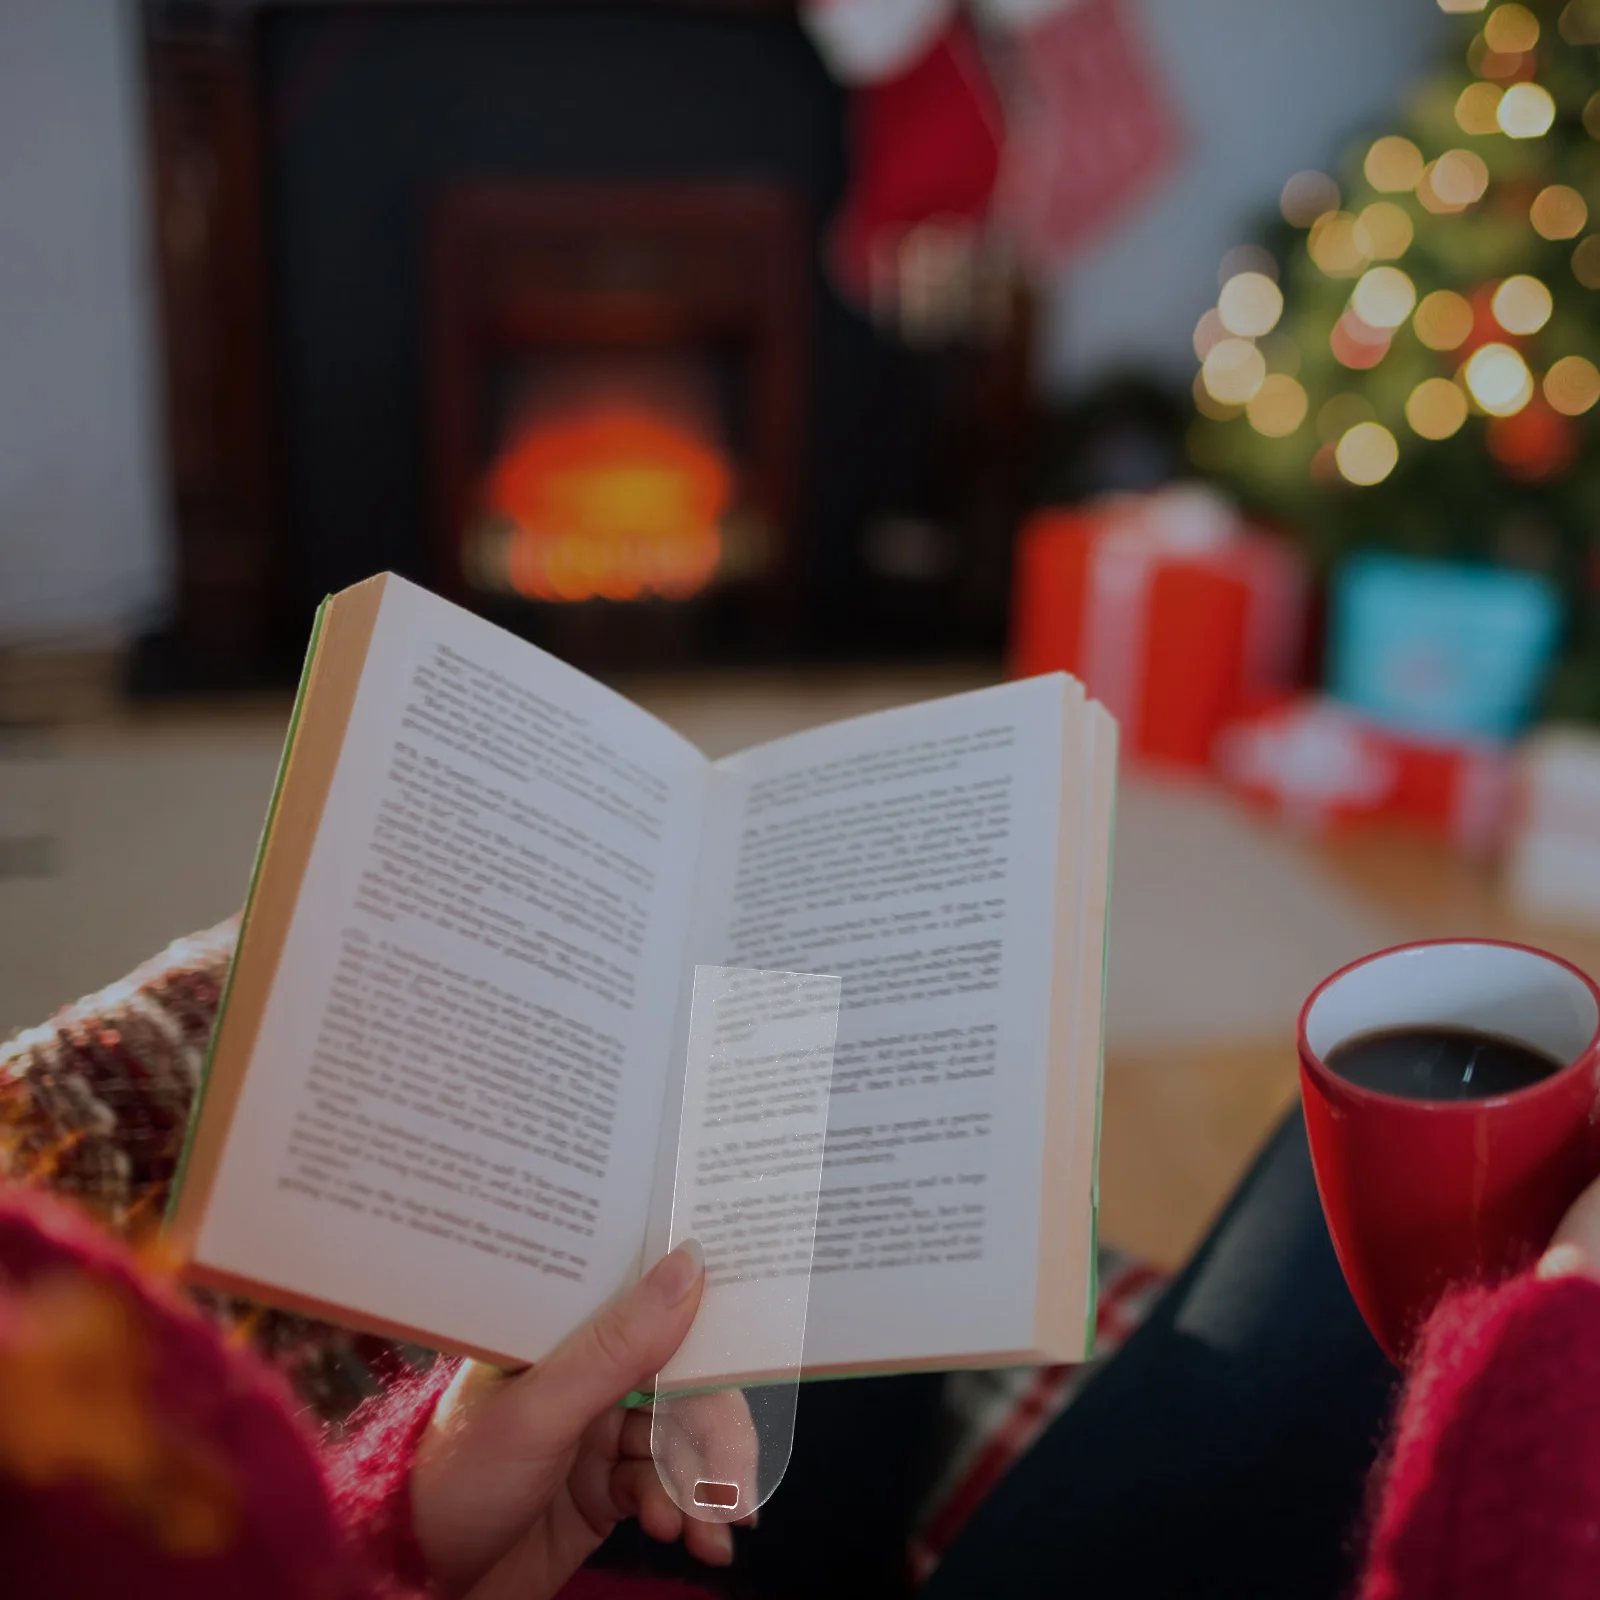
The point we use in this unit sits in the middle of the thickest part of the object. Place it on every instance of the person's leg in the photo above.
(1223, 1450)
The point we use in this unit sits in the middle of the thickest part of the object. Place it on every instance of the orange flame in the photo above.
(615, 503)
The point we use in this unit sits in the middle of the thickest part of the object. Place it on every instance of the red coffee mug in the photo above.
(1421, 1195)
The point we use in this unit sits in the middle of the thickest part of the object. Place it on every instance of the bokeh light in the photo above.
(1383, 231)
(1489, 63)
(1436, 408)
(1526, 110)
(1208, 332)
(1522, 304)
(1462, 5)
(1580, 22)
(1247, 258)
(1384, 297)
(1456, 179)
(1591, 115)
(1498, 379)
(1558, 212)
(1306, 196)
(1586, 262)
(1357, 344)
(1278, 407)
(1443, 320)
(1250, 304)
(1476, 108)
(1233, 370)
(1367, 453)
(1511, 29)
(1572, 385)
(1340, 413)
(1393, 165)
(1208, 406)
(1333, 245)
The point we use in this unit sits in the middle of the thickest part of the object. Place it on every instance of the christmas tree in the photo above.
(1410, 360)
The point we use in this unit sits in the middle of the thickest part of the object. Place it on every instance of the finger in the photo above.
(618, 1350)
(635, 1438)
(637, 1491)
(710, 1542)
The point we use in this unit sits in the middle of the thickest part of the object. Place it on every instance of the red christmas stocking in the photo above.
(926, 124)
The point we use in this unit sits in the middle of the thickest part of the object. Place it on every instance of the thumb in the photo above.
(620, 1348)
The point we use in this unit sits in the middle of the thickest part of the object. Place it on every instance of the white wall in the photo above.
(1264, 87)
(82, 538)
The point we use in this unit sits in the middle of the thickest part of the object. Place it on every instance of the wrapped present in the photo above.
(1440, 648)
(1172, 610)
(1553, 865)
(1322, 766)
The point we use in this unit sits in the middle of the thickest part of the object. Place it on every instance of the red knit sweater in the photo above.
(141, 1456)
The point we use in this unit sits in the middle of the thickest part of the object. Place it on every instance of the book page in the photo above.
(912, 854)
(451, 1109)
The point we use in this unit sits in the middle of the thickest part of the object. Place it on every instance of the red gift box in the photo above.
(1174, 613)
(1321, 765)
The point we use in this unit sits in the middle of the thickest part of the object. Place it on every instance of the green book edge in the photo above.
(249, 902)
(1092, 1324)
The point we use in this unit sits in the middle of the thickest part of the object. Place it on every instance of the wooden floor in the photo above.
(1177, 1132)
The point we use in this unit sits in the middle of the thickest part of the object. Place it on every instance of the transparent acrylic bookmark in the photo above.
(749, 1172)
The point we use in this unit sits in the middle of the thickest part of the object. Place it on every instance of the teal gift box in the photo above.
(1438, 648)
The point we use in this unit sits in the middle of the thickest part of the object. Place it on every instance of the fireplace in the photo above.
(526, 301)
(617, 390)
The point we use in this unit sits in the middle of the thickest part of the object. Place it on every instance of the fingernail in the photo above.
(673, 1276)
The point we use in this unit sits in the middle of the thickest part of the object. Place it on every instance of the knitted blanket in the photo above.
(94, 1105)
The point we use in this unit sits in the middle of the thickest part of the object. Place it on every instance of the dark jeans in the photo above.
(1224, 1449)
(1222, 1452)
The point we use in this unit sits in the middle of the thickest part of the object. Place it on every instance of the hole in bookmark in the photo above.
(716, 1494)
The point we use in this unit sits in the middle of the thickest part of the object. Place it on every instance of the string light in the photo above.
(1591, 115)
(1367, 453)
(1443, 320)
(1436, 408)
(1307, 196)
(1526, 110)
(1207, 406)
(1558, 212)
(1393, 165)
(1522, 304)
(1498, 379)
(1247, 258)
(1233, 370)
(1250, 304)
(1340, 413)
(1476, 108)
(1208, 332)
(1580, 22)
(1586, 262)
(1278, 407)
(1383, 231)
(1333, 245)
(1511, 29)
(1384, 297)
(1489, 63)
(1457, 179)
(1462, 5)
(1356, 344)
(1572, 385)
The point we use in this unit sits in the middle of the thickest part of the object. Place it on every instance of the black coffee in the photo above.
(1439, 1063)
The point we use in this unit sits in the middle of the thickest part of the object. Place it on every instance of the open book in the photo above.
(443, 1095)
